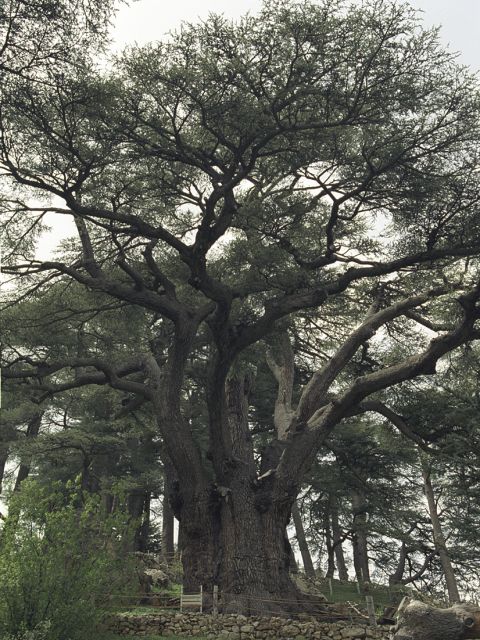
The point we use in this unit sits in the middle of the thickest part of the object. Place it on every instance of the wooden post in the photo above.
(330, 586)
(201, 598)
(215, 600)
(371, 611)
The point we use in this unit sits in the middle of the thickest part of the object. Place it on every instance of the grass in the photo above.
(382, 595)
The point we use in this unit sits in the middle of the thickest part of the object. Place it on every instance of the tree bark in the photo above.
(438, 536)
(3, 463)
(302, 542)
(33, 429)
(254, 549)
(360, 537)
(168, 519)
(420, 621)
(338, 540)
(192, 496)
(168, 528)
(397, 576)
(329, 544)
(138, 506)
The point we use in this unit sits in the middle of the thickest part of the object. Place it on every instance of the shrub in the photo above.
(60, 558)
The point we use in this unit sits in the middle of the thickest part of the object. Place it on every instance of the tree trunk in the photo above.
(33, 429)
(138, 506)
(168, 520)
(329, 544)
(359, 538)
(196, 509)
(254, 549)
(338, 540)
(302, 542)
(3, 463)
(253, 552)
(397, 576)
(438, 536)
(168, 528)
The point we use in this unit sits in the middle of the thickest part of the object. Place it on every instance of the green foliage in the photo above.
(60, 558)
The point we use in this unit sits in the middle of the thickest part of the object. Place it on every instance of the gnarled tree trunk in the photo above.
(254, 559)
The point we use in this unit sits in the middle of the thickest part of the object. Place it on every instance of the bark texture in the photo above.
(168, 545)
(338, 538)
(255, 552)
(33, 429)
(420, 621)
(360, 537)
(302, 542)
(439, 537)
(3, 463)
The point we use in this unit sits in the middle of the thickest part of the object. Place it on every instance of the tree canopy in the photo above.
(299, 186)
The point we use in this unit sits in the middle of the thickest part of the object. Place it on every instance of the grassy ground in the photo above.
(382, 595)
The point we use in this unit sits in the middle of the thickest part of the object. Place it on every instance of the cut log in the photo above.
(420, 621)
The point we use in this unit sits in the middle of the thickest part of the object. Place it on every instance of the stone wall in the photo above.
(237, 627)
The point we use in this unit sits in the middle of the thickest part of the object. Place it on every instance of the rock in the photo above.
(290, 630)
(235, 627)
(353, 632)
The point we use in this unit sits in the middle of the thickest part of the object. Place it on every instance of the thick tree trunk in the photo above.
(247, 521)
(360, 537)
(191, 496)
(338, 540)
(196, 509)
(254, 549)
(302, 542)
(438, 536)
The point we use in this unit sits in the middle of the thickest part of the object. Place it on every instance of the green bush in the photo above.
(60, 558)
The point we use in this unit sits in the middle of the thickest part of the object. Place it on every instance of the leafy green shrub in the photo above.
(60, 558)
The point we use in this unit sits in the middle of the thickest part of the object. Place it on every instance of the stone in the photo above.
(290, 630)
(353, 632)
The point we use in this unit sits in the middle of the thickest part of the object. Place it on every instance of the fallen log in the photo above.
(419, 621)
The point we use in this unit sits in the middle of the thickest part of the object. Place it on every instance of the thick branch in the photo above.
(314, 393)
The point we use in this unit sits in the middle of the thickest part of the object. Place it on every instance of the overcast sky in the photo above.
(146, 20)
